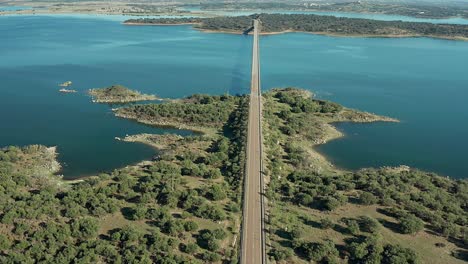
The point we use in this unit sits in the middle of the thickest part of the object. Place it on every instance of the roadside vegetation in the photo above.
(202, 113)
(184, 206)
(118, 94)
(181, 207)
(327, 215)
(329, 25)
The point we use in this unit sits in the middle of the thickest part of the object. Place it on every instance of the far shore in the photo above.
(298, 31)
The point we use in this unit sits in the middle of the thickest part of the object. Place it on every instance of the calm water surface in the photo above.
(421, 81)
(14, 8)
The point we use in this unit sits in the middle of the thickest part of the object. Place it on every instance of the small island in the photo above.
(119, 94)
(66, 84)
(63, 90)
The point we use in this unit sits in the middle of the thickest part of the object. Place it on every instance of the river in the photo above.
(421, 81)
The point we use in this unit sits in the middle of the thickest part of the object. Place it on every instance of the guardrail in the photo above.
(262, 168)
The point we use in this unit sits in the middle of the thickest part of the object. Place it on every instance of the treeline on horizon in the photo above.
(424, 10)
(318, 24)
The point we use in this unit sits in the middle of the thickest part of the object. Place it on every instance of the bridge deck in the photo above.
(253, 250)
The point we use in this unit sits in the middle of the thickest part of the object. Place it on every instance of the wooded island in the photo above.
(327, 25)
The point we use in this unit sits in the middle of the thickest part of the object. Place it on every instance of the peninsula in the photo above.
(184, 206)
(326, 25)
(119, 94)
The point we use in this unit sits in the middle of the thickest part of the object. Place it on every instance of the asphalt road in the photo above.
(252, 247)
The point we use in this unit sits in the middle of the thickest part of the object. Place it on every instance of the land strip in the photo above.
(421, 10)
(326, 25)
(184, 205)
(119, 94)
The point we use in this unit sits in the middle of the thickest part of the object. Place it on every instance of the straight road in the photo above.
(252, 246)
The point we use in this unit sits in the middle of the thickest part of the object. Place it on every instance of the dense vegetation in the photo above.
(196, 110)
(323, 214)
(319, 24)
(182, 207)
(118, 94)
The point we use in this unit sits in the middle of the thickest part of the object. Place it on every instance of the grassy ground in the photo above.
(285, 215)
(424, 243)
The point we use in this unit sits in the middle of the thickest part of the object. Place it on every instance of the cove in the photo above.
(420, 81)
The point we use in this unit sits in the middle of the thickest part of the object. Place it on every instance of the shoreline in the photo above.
(330, 34)
(122, 9)
(315, 11)
(124, 101)
(156, 24)
(118, 94)
(166, 124)
(332, 133)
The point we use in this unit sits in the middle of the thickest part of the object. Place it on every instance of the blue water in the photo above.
(116, 18)
(14, 8)
(421, 81)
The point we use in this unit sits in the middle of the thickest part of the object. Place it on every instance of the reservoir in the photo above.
(421, 81)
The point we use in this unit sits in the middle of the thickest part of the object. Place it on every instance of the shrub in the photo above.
(410, 224)
(368, 224)
(190, 226)
(190, 248)
(219, 234)
(296, 233)
(216, 192)
(367, 198)
(397, 254)
(85, 228)
(280, 253)
(211, 256)
(353, 227)
(326, 223)
(318, 252)
(331, 203)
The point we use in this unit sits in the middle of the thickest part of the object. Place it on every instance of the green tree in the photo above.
(190, 226)
(85, 228)
(367, 198)
(216, 192)
(4, 242)
(211, 256)
(396, 254)
(190, 248)
(280, 253)
(410, 224)
(353, 227)
(326, 223)
(368, 224)
(331, 203)
(139, 212)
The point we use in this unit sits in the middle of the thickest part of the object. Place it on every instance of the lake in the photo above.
(421, 81)
(14, 8)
